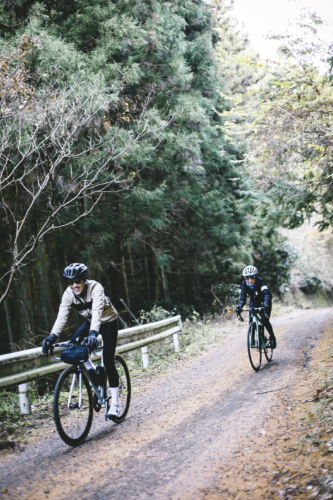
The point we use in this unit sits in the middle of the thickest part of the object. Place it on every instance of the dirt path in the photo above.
(180, 430)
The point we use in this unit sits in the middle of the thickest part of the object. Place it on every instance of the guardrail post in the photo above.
(176, 338)
(176, 342)
(145, 356)
(25, 408)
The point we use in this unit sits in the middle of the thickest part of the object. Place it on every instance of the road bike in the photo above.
(257, 338)
(74, 401)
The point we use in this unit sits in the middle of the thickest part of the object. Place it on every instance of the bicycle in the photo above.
(74, 402)
(257, 339)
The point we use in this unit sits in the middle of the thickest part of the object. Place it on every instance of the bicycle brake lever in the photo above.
(51, 351)
(50, 348)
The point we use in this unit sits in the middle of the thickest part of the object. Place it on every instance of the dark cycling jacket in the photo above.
(258, 295)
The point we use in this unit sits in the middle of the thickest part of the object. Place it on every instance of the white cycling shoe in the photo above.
(113, 411)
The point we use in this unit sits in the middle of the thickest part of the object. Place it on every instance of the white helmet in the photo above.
(249, 271)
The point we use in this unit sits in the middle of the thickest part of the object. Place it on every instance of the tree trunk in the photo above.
(58, 269)
(9, 324)
(148, 280)
(23, 306)
(131, 262)
(46, 299)
(157, 283)
(181, 284)
(123, 268)
(165, 285)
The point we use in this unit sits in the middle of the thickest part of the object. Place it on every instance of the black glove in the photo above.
(92, 341)
(266, 311)
(238, 309)
(48, 342)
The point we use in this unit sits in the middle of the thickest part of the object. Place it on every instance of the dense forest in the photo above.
(120, 149)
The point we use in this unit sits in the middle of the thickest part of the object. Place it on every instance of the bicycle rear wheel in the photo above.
(267, 347)
(124, 388)
(254, 347)
(73, 413)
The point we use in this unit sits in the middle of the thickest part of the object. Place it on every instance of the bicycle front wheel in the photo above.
(73, 406)
(254, 347)
(124, 388)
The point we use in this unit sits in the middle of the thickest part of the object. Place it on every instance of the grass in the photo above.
(9, 403)
(14, 427)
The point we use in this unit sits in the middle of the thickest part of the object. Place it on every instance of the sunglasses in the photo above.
(250, 278)
(74, 282)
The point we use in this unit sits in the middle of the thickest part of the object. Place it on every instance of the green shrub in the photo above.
(157, 313)
(311, 284)
(228, 294)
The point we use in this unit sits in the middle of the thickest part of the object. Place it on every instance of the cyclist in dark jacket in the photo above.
(256, 288)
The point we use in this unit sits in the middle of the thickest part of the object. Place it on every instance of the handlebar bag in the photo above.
(75, 354)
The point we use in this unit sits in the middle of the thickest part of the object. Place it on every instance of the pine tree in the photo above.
(181, 229)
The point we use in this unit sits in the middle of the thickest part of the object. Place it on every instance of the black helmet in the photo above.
(75, 271)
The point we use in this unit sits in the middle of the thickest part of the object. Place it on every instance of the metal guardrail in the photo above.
(24, 366)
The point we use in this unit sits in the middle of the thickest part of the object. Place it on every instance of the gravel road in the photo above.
(179, 431)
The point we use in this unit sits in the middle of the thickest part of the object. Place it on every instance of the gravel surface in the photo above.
(178, 431)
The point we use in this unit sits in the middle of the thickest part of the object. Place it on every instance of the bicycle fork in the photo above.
(70, 405)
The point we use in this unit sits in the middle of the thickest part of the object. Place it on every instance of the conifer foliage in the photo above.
(171, 227)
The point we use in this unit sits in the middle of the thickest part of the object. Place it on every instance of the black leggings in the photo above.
(109, 332)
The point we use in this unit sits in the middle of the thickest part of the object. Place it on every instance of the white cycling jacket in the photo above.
(94, 305)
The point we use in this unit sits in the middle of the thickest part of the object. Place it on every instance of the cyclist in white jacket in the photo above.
(89, 300)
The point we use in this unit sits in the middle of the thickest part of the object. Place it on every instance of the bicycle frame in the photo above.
(255, 317)
(99, 393)
(81, 368)
(257, 321)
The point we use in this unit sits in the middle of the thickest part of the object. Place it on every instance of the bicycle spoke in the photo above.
(73, 407)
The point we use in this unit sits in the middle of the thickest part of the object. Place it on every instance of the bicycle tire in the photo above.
(124, 389)
(267, 350)
(73, 423)
(254, 352)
